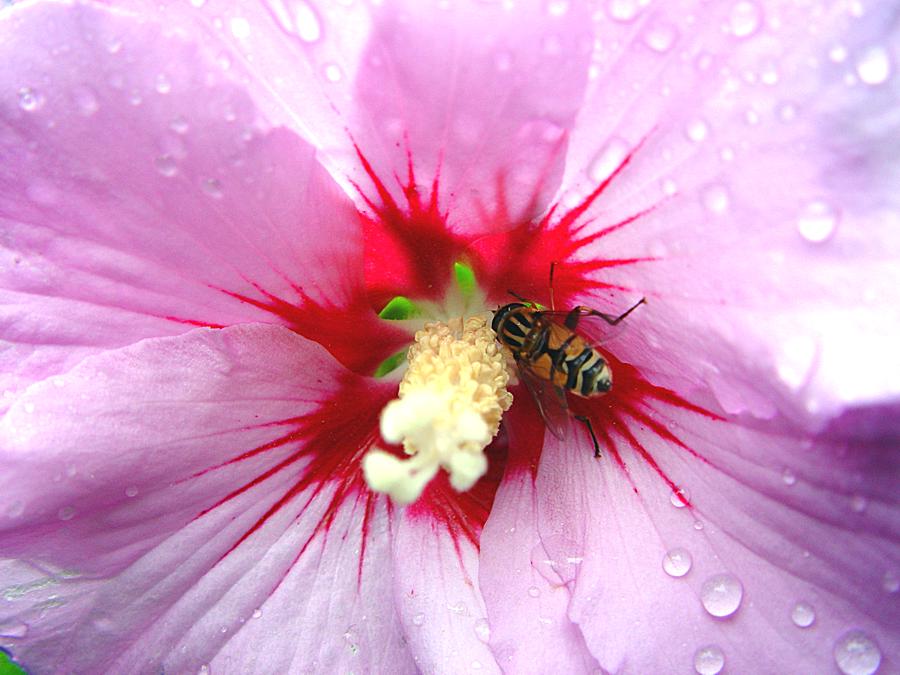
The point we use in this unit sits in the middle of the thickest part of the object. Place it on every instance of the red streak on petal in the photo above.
(192, 322)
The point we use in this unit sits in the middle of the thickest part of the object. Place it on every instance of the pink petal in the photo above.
(147, 195)
(441, 611)
(747, 181)
(797, 522)
(145, 540)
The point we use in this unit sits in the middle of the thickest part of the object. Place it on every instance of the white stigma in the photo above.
(449, 408)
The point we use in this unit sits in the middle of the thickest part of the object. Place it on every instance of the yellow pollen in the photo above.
(450, 403)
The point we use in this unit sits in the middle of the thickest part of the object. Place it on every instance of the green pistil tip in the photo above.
(465, 278)
(398, 309)
(388, 365)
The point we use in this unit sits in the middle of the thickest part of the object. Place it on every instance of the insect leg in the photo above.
(575, 315)
(552, 304)
(517, 296)
(587, 422)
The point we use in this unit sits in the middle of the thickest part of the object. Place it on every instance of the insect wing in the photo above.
(550, 401)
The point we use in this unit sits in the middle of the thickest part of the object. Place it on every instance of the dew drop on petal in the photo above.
(660, 37)
(623, 10)
(890, 582)
(857, 654)
(298, 18)
(204, 670)
(86, 101)
(29, 407)
(418, 619)
(817, 221)
(803, 615)
(333, 72)
(534, 592)
(163, 84)
(716, 199)
(165, 165)
(557, 7)
(744, 19)
(709, 660)
(179, 125)
(212, 188)
(788, 477)
(680, 498)
(874, 65)
(697, 130)
(240, 27)
(669, 187)
(608, 159)
(29, 99)
(66, 513)
(677, 562)
(131, 491)
(483, 630)
(13, 629)
(721, 595)
(257, 613)
(858, 503)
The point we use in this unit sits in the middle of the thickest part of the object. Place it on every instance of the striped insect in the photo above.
(553, 358)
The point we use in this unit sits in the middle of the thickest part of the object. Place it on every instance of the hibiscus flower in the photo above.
(222, 225)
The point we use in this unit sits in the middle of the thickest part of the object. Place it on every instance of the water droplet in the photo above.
(240, 27)
(458, 608)
(29, 407)
(890, 582)
(503, 61)
(66, 513)
(257, 613)
(744, 19)
(677, 562)
(716, 199)
(418, 619)
(874, 65)
(721, 595)
(212, 188)
(85, 101)
(131, 491)
(622, 10)
(817, 221)
(29, 99)
(669, 187)
(166, 165)
(16, 509)
(198, 3)
(608, 160)
(204, 670)
(857, 654)
(298, 18)
(179, 125)
(660, 37)
(680, 498)
(803, 615)
(534, 592)
(475, 665)
(557, 7)
(788, 477)
(697, 130)
(333, 72)
(135, 98)
(163, 84)
(787, 112)
(557, 559)
(709, 660)
(483, 630)
(858, 503)
(751, 117)
(838, 53)
(13, 629)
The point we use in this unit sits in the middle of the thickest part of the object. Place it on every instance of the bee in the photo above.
(553, 358)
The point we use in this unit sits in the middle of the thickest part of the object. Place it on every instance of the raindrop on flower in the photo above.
(475, 665)
(744, 19)
(677, 562)
(298, 18)
(418, 619)
(709, 660)
(257, 613)
(179, 125)
(874, 65)
(213, 188)
(858, 503)
(503, 61)
(135, 98)
(716, 199)
(608, 159)
(803, 615)
(669, 187)
(131, 491)
(697, 130)
(534, 592)
(198, 3)
(680, 498)
(29, 99)
(817, 221)
(557, 7)
(333, 72)
(857, 654)
(660, 37)
(66, 513)
(204, 670)
(13, 629)
(788, 477)
(85, 101)
(721, 595)
(557, 559)
(29, 407)
(890, 582)
(165, 164)
(163, 84)
(240, 27)
(482, 630)
(458, 608)
(623, 10)
(838, 53)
